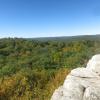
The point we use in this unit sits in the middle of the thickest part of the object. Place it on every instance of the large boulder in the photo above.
(81, 83)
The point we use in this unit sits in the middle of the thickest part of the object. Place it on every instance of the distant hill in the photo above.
(68, 38)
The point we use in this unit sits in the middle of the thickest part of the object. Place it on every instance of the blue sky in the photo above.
(43, 18)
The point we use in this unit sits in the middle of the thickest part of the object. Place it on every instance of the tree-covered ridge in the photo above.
(32, 69)
(68, 38)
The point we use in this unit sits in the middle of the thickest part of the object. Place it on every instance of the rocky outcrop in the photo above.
(81, 83)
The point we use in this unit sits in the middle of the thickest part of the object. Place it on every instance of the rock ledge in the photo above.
(81, 83)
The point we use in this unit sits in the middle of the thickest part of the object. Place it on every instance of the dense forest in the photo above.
(32, 69)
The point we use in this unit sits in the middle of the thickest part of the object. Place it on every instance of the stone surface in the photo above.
(81, 83)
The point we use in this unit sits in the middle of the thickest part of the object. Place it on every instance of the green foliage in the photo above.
(31, 69)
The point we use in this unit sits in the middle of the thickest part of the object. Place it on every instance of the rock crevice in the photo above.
(81, 83)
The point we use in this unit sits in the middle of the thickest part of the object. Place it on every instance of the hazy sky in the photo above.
(41, 18)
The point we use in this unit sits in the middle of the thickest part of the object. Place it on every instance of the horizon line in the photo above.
(50, 36)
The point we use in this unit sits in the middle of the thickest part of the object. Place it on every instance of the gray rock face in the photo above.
(81, 83)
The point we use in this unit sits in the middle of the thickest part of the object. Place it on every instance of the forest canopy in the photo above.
(32, 69)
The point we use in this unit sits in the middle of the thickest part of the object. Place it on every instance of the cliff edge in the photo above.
(81, 83)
